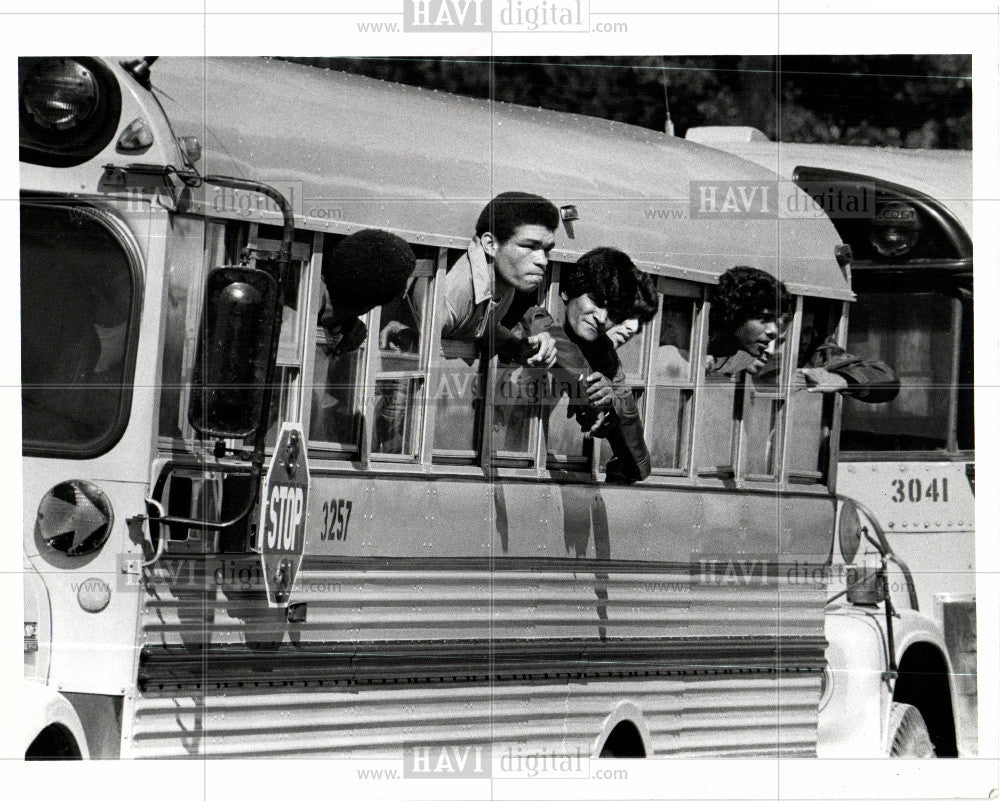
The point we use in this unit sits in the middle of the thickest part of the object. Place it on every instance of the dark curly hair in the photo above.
(367, 269)
(608, 276)
(746, 293)
(503, 215)
(645, 304)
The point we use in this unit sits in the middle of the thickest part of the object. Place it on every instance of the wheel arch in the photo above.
(52, 727)
(624, 733)
(924, 682)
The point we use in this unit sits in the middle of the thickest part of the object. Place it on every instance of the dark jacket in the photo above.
(868, 380)
(577, 358)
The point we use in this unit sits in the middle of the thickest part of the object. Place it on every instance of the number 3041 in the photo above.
(336, 519)
(915, 491)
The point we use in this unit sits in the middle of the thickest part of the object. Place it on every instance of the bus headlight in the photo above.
(59, 93)
(895, 229)
(68, 109)
(74, 518)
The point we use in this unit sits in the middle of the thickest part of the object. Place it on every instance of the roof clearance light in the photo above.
(136, 135)
(74, 518)
(60, 93)
(895, 229)
(191, 148)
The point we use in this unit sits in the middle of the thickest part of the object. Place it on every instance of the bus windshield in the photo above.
(77, 292)
(915, 334)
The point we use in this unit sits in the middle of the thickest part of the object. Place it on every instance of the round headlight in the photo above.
(849, 531)
(60, 93)
(895, 229)
(68, 109)
(74, 518)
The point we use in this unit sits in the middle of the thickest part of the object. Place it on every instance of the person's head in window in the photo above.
(599, 291)
(643, 310)
(365, 270)
(749, 312)
(517, 232)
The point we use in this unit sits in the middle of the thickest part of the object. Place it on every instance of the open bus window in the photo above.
(77, 288)
(914, 334)
(566, 446)
(810, 412)
(456, 383)
(672, 384)
(399, 379)
(335, 417)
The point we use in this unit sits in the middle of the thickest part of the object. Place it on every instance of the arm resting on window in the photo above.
(868, 380)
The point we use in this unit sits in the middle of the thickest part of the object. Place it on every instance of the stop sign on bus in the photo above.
(283, 513)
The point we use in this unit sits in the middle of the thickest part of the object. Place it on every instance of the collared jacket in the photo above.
(621, 426)
(470, 297)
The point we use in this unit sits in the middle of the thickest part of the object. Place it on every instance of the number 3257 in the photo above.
(336, 519)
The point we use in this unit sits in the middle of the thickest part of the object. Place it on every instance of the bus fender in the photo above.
(855, 704)
(43, 708)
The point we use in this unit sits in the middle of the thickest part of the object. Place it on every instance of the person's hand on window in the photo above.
(397, 336)
(545, 350)
(819, 379)
(600, 393)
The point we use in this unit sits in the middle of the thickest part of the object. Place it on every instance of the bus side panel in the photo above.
(735, 715)
(524, 615)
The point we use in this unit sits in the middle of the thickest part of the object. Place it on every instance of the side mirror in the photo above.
(234, 350)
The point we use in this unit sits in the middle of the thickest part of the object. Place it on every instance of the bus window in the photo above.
(761, 428)
(636, 366)
(336, 396)
(809, 412)
(399, 378)
(566, 446)
(913, 333)
(764, 403)
(337, 385)
(77, 290)
(672, 384)
(456, 383)
(716, 414)
(522, 393)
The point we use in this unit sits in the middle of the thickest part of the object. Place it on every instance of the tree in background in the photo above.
(893, 100)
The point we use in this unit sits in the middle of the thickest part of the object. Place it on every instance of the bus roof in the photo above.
(358, 152)
(945, 175)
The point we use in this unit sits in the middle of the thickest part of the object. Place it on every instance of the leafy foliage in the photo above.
(893, 100)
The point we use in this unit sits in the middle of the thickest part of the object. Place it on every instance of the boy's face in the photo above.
(522, 259)
(759, 337)
(624, 331)
(587, 320)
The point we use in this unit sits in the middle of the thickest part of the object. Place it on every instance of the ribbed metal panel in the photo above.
(762, 710)
(405, 605)
(743, 716)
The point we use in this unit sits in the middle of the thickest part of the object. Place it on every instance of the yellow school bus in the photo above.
(450, 586)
